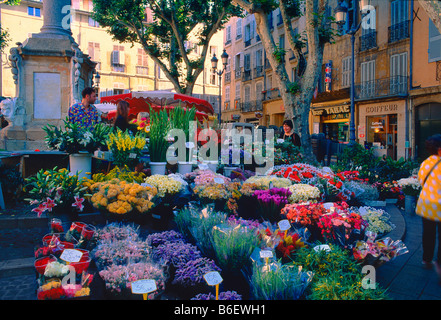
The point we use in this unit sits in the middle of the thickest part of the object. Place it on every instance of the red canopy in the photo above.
(141, 101)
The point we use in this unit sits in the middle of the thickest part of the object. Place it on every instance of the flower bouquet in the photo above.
(388, 190)
(75, 139)
(160, 238)
(126, 148)
(377, 252)
(303, 193)
(142, 125)
(54, 191)
(167, 187)
(410, 186)
(286, 153)
(378, 220)
(270, 202)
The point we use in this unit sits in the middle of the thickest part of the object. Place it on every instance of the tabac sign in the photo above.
(330, 110)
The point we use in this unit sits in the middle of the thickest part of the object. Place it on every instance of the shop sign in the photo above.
(336, 116)
(331, 110)
(382, 108)
(377, 125)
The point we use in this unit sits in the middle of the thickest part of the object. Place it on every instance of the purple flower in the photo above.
(176, 253)
(226, 295)
(156, 239)
(192, 273)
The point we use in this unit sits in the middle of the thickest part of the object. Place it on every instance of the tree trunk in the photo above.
(433, 10)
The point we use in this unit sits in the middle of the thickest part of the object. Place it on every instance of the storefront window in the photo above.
(382, 135)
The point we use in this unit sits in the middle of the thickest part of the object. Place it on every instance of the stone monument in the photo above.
(49, 71)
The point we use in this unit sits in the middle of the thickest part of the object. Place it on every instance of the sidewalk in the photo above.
(404, 278)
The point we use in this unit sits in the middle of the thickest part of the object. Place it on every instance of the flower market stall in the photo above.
(300, 231)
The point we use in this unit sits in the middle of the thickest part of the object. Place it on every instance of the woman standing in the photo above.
(122, 116)
(429, 202)
(288, 133)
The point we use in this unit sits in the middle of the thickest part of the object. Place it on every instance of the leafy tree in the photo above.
(296, 95)
(175, 21)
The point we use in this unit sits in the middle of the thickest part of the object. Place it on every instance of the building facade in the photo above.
(122, 68)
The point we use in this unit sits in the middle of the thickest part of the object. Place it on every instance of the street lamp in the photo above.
(340, 17)
(97, 85)
(214, 60)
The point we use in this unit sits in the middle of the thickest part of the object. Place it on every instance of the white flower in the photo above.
(303, 192)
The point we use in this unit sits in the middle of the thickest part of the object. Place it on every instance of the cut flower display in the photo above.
(410, 186)
(303, 193)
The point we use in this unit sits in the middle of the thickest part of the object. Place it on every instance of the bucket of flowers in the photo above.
(126, 148)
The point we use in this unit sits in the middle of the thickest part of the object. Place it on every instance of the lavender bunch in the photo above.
(271, 202)
(176, 253)
(156, 239)
(192, 273)
(226, 295)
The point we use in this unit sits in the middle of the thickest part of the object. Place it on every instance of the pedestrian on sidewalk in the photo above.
(429, 203)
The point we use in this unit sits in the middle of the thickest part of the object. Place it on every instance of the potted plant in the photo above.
(158, 144)
(78, 142)
(180, 119)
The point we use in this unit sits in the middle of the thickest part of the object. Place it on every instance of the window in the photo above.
(239, 29)
(247, 62)
(259, 94)
(398, 73)
(259, 58)
(118, 59)
(270, 21)
(142, 64)
(247, 94)
(399, 12)
(93, 23)
(434, 43)
(227, 94)
(94, 53)
(237, 93)
(346, 72)
(35, 12)
(228, 35)
(367, 79)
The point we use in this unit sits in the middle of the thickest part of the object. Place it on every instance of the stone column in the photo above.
(56, 19)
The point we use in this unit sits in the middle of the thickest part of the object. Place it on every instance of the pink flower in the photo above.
(49, 204)
(78, 203)
(40, 209)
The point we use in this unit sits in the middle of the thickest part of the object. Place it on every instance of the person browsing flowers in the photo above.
(429, 202)
(84, 113)
(288, 133)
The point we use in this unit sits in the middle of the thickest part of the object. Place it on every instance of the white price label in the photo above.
(322, 247)
(143, 286)
(280, 141)
(71, 255)
(203, 166)
(266, 254)
(218, 180)
(213, 278)
(284, 225)
(132, 155)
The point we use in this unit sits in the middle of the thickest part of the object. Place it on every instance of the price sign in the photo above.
(143, 286)
(146, 185)
(266, 254)
(219, 180)
(71, 255)
(280, 141)
(284, 225)
(132, 155)
(203, 166)
(213, 278)
(322, 247)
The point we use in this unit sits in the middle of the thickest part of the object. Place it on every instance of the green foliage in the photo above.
(159, 127)
(174, 20)
(74, 138)
(287, 153)
(337, 276)
(279, 54)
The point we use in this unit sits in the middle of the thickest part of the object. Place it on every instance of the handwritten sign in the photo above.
(266, 254)
(218, 180)
(322, 247)
(132, 155)
(143, 286)
(213, 278)
(71, 255)
(284, 225)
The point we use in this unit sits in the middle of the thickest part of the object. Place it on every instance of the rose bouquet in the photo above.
(410, 186)
(270, 202)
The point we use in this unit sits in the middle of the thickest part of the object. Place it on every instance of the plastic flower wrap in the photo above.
(410, 186)
(206, 177)
(378, 252)
(165, 185)
(378, 220)
(303, 192)
(56, 270)
(120, 197)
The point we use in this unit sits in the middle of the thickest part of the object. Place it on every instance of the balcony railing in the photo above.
(258, 71)
(247, 43)
(246, 75)
(251, 106)
(271, 94)
(399, 31)
(368, 41)
(380, 88)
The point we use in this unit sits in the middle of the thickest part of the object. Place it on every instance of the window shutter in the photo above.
(115, 57)
(434, 43)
